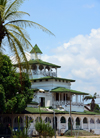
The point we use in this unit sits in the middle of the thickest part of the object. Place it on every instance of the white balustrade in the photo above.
(60, 103)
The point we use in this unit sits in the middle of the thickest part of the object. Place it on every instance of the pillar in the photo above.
(89, 124)
(37, 69)
(81, 123)
(56, 72)
(95, 123)
(44, 73)
(65, 98)
(66, 123)
(74, 123)
(58, 122)
(80, 98)
(59, 98)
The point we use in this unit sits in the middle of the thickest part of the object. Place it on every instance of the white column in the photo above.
(89, 123)
(95, 123)
(59, 98)
(58, 122)
(80, 98)
(81, 123)
(74, 123)
(44, 73)
(76, 99)
(83, 99)
(62, 97)
(66, 123)
(49, 71)
(56, 72)
(37, 69)
(65, 98)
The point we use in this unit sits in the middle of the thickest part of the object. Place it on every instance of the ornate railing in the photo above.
(60, 103)
(45, 73)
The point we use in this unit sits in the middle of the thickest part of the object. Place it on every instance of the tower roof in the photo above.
(36, 49)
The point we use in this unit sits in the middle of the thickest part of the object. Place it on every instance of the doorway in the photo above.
(42, 102)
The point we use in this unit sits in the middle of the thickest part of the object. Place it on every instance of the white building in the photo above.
(52, 91)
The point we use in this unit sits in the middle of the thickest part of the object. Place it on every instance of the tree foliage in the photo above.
(44, 129)
(12, 28)
(13, 97)
(92, 98)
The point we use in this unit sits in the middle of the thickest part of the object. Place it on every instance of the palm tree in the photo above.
(12, 28)
(92, 98)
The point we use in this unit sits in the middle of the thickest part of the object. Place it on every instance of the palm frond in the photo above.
(3, 2)
(14, 15)
(13, 6)
(1, 10)
(19, 46)
(21, 36)
(25, 23)
(88, 97)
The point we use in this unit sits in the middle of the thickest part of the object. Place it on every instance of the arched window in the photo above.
(30, 119)
(98, 121)
(91, 121)
(62, 120)
(77, 121)
(85, 120)
(18, 119)
(38, 119)
(47, 119)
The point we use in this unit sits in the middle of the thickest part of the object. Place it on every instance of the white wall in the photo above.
(50, 84)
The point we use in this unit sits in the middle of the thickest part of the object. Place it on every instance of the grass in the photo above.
(43, 110)
(79, 133)
(35, 110)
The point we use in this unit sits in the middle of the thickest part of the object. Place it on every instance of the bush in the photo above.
(44, 129)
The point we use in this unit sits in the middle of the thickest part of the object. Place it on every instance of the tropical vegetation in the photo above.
(13, 97)
(12, 29)
(44, 129)
(92, 98)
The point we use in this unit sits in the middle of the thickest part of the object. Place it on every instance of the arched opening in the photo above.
(18, 122)
(38, 119)
(85, 120)
(62, 120)
(98, 121)
(91, 121)
(70, 121)
(47, 120)
(77, 121)
(92, 126)
(85, 123)
(30, 119)
(34, 67)
(41, 67)
(55, 123)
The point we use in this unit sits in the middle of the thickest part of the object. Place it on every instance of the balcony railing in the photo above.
(45, 73)
(60, 103)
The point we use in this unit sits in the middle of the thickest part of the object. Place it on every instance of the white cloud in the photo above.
(80, 60)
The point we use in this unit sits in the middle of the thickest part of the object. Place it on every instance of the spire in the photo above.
(36, 49)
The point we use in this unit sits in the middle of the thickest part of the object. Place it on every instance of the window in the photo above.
(63, 120)
(47, 119)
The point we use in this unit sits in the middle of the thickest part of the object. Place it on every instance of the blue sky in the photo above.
(76, 45)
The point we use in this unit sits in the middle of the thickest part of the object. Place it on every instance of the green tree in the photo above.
(92, 98)
(12, 28)
(13, 97)
(44, 129)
